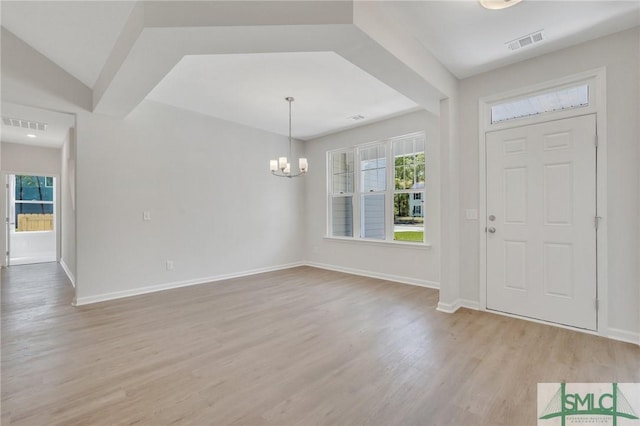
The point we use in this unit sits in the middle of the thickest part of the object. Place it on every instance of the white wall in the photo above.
(619, 54)
(215, 208)
(112, 252)
(405, 263)
(67, 207)
(3, 212)
(145, 162)
(120, 253)
(32, 247)
(30, 159)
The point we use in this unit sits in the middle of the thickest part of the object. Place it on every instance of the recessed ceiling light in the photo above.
(31, 135)
(498, 4)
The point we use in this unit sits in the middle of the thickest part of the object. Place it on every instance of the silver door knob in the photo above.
(491, 230)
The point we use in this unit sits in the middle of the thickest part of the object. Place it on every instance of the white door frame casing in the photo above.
(597, 104)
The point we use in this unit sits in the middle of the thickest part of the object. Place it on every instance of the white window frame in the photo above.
(555, 90)
(331, 194)
(412, 192)
(486, 103)
(357, 195)
(360, 194)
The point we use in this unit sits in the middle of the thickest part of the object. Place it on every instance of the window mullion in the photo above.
(390, 175)
(329, 209)
(32, 202)
(357, 205)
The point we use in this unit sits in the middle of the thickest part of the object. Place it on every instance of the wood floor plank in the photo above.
(295, 347)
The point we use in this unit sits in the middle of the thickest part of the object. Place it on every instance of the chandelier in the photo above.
(281, 167)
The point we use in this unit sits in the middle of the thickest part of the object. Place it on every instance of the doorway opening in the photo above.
(31, 219)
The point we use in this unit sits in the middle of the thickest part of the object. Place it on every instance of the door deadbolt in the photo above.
(492, 218)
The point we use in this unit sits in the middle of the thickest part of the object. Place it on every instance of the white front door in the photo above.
(541, 234)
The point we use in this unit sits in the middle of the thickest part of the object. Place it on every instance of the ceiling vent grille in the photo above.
(525, 41)
(24, 124)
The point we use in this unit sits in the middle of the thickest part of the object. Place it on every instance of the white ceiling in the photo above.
(76, 35)
(58, 125)
(250, 89)
(469, 39)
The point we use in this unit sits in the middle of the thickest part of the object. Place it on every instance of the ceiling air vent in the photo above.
(356, 117)
(525, 41)
(24, 124)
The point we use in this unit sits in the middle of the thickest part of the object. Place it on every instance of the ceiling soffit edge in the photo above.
(156, 37)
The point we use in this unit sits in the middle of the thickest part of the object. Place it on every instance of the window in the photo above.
(409, 177)
(33, 203)
(566, 98)
(384, 200)
(372, 161)
(342, 193)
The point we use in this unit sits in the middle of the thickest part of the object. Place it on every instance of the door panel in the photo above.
(541, 189)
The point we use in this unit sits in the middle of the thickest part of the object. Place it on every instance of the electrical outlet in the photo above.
(146, 215)
(169, 265)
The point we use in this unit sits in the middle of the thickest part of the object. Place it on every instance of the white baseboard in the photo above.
(389, 277)
(167, 286)
(624, 335)
(470, 304)
(450, 308)
(68, 272)
(17, 261)
(611, 333)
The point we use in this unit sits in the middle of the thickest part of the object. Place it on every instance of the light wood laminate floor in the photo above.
(302, 346)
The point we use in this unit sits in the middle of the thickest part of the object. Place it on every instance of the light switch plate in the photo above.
(146, 215)
(471, 214)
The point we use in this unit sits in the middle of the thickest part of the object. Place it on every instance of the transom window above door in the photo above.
(556, 100)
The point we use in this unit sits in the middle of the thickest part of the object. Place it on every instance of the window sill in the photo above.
(13, 232)
(396, 244)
